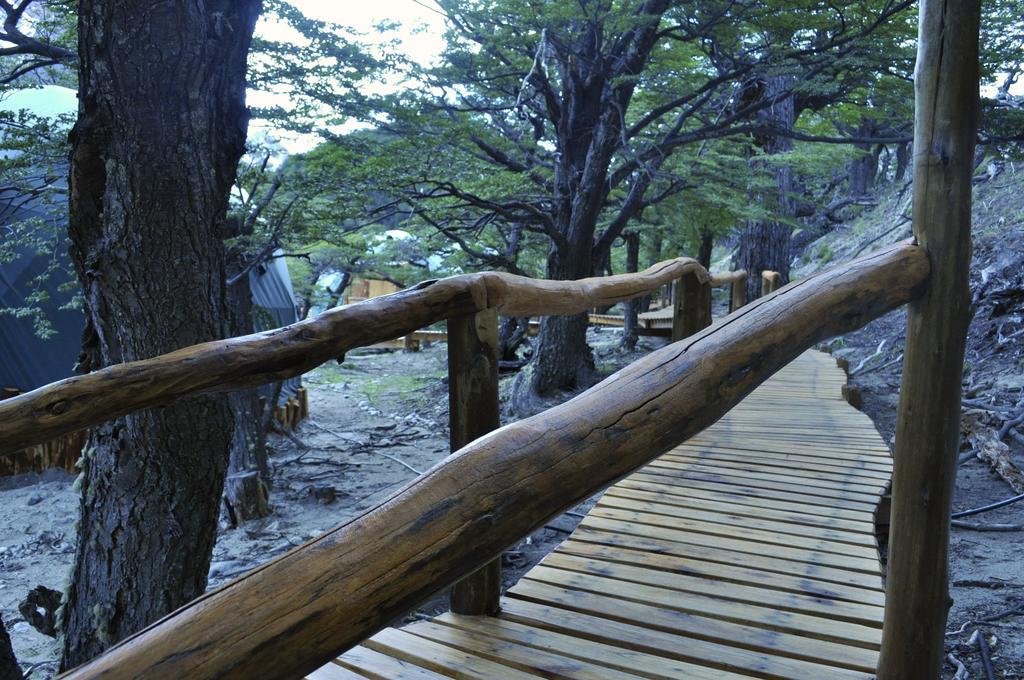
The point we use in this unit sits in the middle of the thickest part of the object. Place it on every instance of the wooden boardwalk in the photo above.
(747, 552)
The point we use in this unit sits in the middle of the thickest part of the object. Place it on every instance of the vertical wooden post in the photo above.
(704, 306)
(770, 282)
(473, 412)
(928, 420)
(738, 296)
(691, 306)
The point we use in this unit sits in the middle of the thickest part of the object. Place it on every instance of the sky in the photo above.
(421, 35)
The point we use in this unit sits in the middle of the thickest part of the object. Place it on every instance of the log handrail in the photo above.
(770, 281)
(223, 365)
(728, 278)
(294, 613)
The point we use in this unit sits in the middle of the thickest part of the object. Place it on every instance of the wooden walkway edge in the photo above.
(746, 552)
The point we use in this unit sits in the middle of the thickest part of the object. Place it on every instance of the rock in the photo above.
(224, 567)
(324, 495)
(35, 499)
(40, 609)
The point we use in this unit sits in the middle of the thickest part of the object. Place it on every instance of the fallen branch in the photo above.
(399, 461)
(887, 364)
(978, 403)
(975, 526)
(986, 656)
(961, 669)
(369, 448)
(1015, 609)
(1011, 423)
(993, 451)
(865, 360)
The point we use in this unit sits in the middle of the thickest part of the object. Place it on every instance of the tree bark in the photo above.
(707, 245)
(902, 160)
(9, 668)
(632, 307)
(161, 126)
(246, 493)
(766, 244)
(563, 360)
(594, 91)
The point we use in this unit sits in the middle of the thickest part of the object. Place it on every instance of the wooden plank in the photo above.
(608, 655)
(695, 492)
(529, 659)
(374, 664)
(448, 661)
(734, 486)
(763, 459)
(861, 528)
(722, 573)
(731, 659)
(825, 486)
(753, 545)
(730, 518)
(756, 595)
(744, 532)
(801, 624)
(595, 534)
(822, 456)
(720, 633)
(333, 671)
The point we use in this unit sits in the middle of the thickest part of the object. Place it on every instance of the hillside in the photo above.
(986, 587)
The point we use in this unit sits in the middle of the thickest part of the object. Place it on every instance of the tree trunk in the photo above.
(161, 126)
(595, 91)
(902, 160)
(562, 360)
(9, 668)
(512, 333)
(766, 244)
(861, 171)
(632, 311)
(707, 244)
(246, 492)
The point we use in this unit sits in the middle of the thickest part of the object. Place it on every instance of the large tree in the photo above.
(161, 125)
(561, 119)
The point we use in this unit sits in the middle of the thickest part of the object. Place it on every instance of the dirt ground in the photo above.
(986, 567)
(376, 421)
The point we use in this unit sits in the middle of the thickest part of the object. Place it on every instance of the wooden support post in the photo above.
(691, 306)
(770, 282)
(704, 306)
(738, 294)
(853, 396)
(473, 412)
(928, 420)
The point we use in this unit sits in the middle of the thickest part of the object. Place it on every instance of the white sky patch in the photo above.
(420, 34)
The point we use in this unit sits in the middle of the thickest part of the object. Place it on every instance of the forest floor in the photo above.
(375, 422)
(986, 566)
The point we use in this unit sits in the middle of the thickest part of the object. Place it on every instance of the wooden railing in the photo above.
(296, 612)
(225, 365)
(293, 614)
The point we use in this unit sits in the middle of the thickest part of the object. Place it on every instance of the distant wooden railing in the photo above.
(225, 365)
(294, 613)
